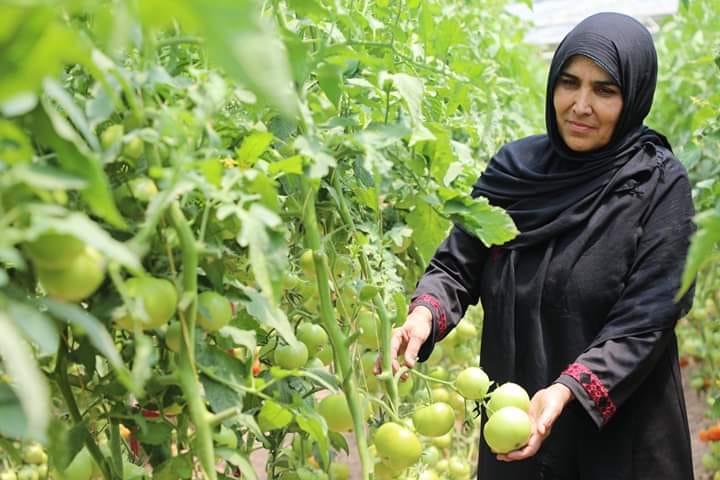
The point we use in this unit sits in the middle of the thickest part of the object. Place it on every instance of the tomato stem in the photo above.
(337, 337)
(385, 321)
(69, 397)
(187, 375)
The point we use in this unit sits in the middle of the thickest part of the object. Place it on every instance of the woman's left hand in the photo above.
(545, 407)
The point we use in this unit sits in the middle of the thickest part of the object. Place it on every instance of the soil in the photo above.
(696, 408)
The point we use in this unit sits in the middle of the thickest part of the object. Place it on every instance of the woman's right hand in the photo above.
(408, 339)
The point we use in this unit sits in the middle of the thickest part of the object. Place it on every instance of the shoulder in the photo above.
(673, 173)
(524, 144)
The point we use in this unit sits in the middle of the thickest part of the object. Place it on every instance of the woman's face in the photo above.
(587, 104)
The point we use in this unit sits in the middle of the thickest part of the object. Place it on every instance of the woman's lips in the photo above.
(579, 127)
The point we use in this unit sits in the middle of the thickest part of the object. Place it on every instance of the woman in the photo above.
(580, 307)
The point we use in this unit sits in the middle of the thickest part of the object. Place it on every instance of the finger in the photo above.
(411, 352)
(395, 343)
(527, 451)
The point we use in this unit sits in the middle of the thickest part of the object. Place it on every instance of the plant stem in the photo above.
(337, 337)
(385, 321)
(66, 391)
(117, 463)
(187, 376)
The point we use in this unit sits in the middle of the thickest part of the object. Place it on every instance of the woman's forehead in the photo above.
(581, 64)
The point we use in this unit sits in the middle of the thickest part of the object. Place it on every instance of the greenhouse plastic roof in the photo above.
(552, 19)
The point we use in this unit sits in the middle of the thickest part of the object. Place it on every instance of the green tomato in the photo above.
(214, 311)
(436, 355)
(461, 354)
(472, 383)
(54, 251)
(430, 456)
(458, 468)
(405, 387)
(291, 356)
(397, 446)
(466, 330)
(507, 429)
(173, 337)
(158, 297)
(440, 394)
(434, 420)
(439, 373)
(428, 475)
(326, 355)
(111, 134)
(339, 471)
(78, 280)
(336, 412)
(133, 148)
(34, 454)
(225, 438)
(508, 395)
(81, 467)
(313, 336)
(307, 263)
(369, 325)
(443, 441)
(27, 473)
(442, 466)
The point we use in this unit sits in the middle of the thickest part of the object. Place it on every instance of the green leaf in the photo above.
(46, 177)
(245, 45)
(15, 147)
(311, 422)
(29, 383)
(35, 327)
(331, 81)
(492, 225)
(244, 338)
(433, 227)
(143, 360)
(320, 159)
(13, 423)
(267, 314)
(94, 330)
(57, 93)
(273, 416)
(411, 89)
(703, 247)
(40, 47)
(253, 146)
(234, 457)
(289, 165)
(97, 194)
(175, 468)
(153, 432)
(262, 234)
(221, 397)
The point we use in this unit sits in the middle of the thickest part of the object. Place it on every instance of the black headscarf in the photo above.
(548, 188)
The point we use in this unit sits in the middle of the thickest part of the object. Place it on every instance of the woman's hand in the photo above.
(545, 407)
(408, 339)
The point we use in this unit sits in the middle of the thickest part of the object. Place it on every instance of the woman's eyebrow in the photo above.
(609, 83)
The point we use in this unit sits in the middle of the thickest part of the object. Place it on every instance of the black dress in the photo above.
(583, 313)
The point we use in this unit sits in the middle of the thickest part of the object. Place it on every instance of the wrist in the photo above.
(423, 313)
(563, 391)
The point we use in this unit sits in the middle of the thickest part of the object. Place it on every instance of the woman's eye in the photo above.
(567, 82)
(605, 91)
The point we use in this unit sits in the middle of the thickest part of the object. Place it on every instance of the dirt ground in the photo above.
(696, 408)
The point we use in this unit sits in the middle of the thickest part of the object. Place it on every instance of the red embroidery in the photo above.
(495, 253)
(594, 387)
(439, 312)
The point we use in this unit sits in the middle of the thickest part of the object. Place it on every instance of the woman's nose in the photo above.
(582, 105)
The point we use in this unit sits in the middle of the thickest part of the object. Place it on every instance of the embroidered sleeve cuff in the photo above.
(433, 304)
(600, 406)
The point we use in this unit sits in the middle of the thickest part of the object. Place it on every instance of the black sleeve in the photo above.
(640, 325)
(450, 284)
